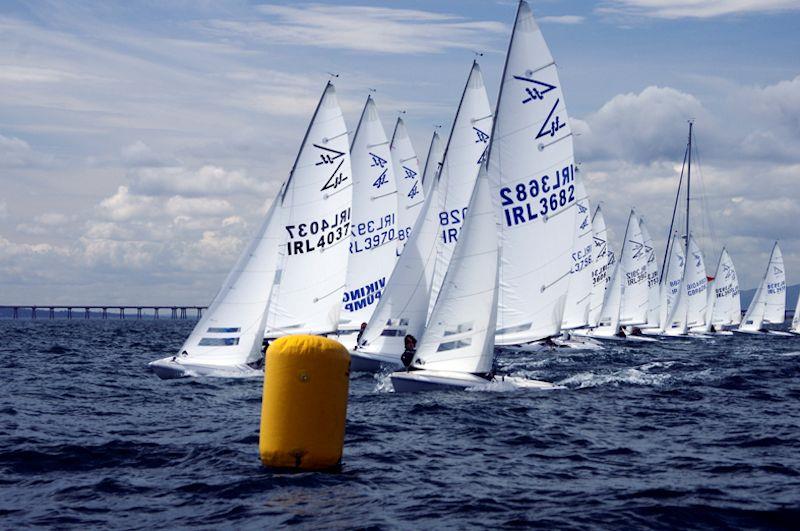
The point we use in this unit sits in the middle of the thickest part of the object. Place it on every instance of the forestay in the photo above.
(633, 261)
(531, 169)
(410, 194)
(463, 156)
(602, 259)
(769, 303)
(460, 333)
(309, 283)
(231, 331)
(576, 308)
(653, 299)
(403, 307)
(373, 244)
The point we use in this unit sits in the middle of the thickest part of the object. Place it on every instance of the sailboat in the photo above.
(626, 298)
(769, 302)
(579, 294)
(410, 193)
(433, 163)
(310, 213)
(412, 289)
(373, 246)
(689, 309)
(602, 264)
(456, 350)
(795, 329)
(465, 151)
(723, 307)
(531, 168)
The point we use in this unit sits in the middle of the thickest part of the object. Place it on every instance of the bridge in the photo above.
(84, 311)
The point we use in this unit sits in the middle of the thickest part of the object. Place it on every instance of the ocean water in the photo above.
(686, 434)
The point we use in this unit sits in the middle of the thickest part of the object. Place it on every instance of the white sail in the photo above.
(374, 226)
(460, 333)
(671, 284)
(463, 156)
(654, 294)
(690, 307)
(796, 319)
(608, 323)
(433, 163)
(724, 294)
(576, 308)
(403, 307)
(633, 261)
(231, 331)
(769, 303)
(602, 259)
(307, 294)
(410, 194)
(532, 173)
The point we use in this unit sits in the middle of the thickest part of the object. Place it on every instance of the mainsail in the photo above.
(374, 226)
(231, 331)
(796, 319)
(673, 278)
(307, 293)
(608, 321)
(463, 156)
(633, 261)
(460, 333)
(410, 194)
(602, 260)
(689, 309)
(576, 308)
(531, 169)
(433, 163)
(769, 303)
(652, 278)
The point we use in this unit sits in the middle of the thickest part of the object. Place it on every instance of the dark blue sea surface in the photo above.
(680, 434)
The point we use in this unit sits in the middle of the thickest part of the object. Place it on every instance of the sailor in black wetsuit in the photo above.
(408, 353)
(360, 334)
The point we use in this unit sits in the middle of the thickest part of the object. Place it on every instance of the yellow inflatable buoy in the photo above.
(304, 405)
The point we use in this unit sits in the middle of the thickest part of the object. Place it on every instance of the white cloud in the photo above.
(562, 19)
(207, 180)
(672, 9)
(363, 29)
(14, 152)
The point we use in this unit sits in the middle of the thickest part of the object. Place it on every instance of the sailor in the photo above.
(636, 331)
(411, 349)
(620, 332)
(360, 333)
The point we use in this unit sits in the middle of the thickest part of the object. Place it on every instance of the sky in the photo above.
(141, 142)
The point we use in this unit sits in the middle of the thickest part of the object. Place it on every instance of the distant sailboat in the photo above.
(724, 308)
(653, 289)
(796, 319)
(373, 246)
(456, 350)
(769, 302)
(298, 226)
(602, 267)
(531, 168)
(410, 193)
(579, 294)
(689, 309)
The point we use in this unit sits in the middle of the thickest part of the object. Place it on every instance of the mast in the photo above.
(664, 264)
(688, 184)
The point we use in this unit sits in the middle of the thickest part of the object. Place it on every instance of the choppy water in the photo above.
(679, 434)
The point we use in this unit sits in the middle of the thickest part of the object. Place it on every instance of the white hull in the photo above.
(611, 337)
(170, 368)
(577, 342)
(368, 362)
(764, 333)
(429, 380)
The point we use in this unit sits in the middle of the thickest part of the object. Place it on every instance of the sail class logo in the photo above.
(483, 138)
(551, 124)
(536, 90)
(698, 259)
(330, 156)
(638, 249)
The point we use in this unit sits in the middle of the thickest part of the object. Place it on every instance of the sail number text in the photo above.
(307, 237)
(541, 196)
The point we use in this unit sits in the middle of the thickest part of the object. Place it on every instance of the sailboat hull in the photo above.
(428, 380)
(367, 362)
(170, 369)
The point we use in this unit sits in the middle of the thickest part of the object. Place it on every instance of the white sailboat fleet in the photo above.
(492, 242)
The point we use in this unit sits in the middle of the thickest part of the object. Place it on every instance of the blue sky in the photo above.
(141, 141)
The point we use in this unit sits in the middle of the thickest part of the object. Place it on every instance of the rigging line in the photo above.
(664, 264)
